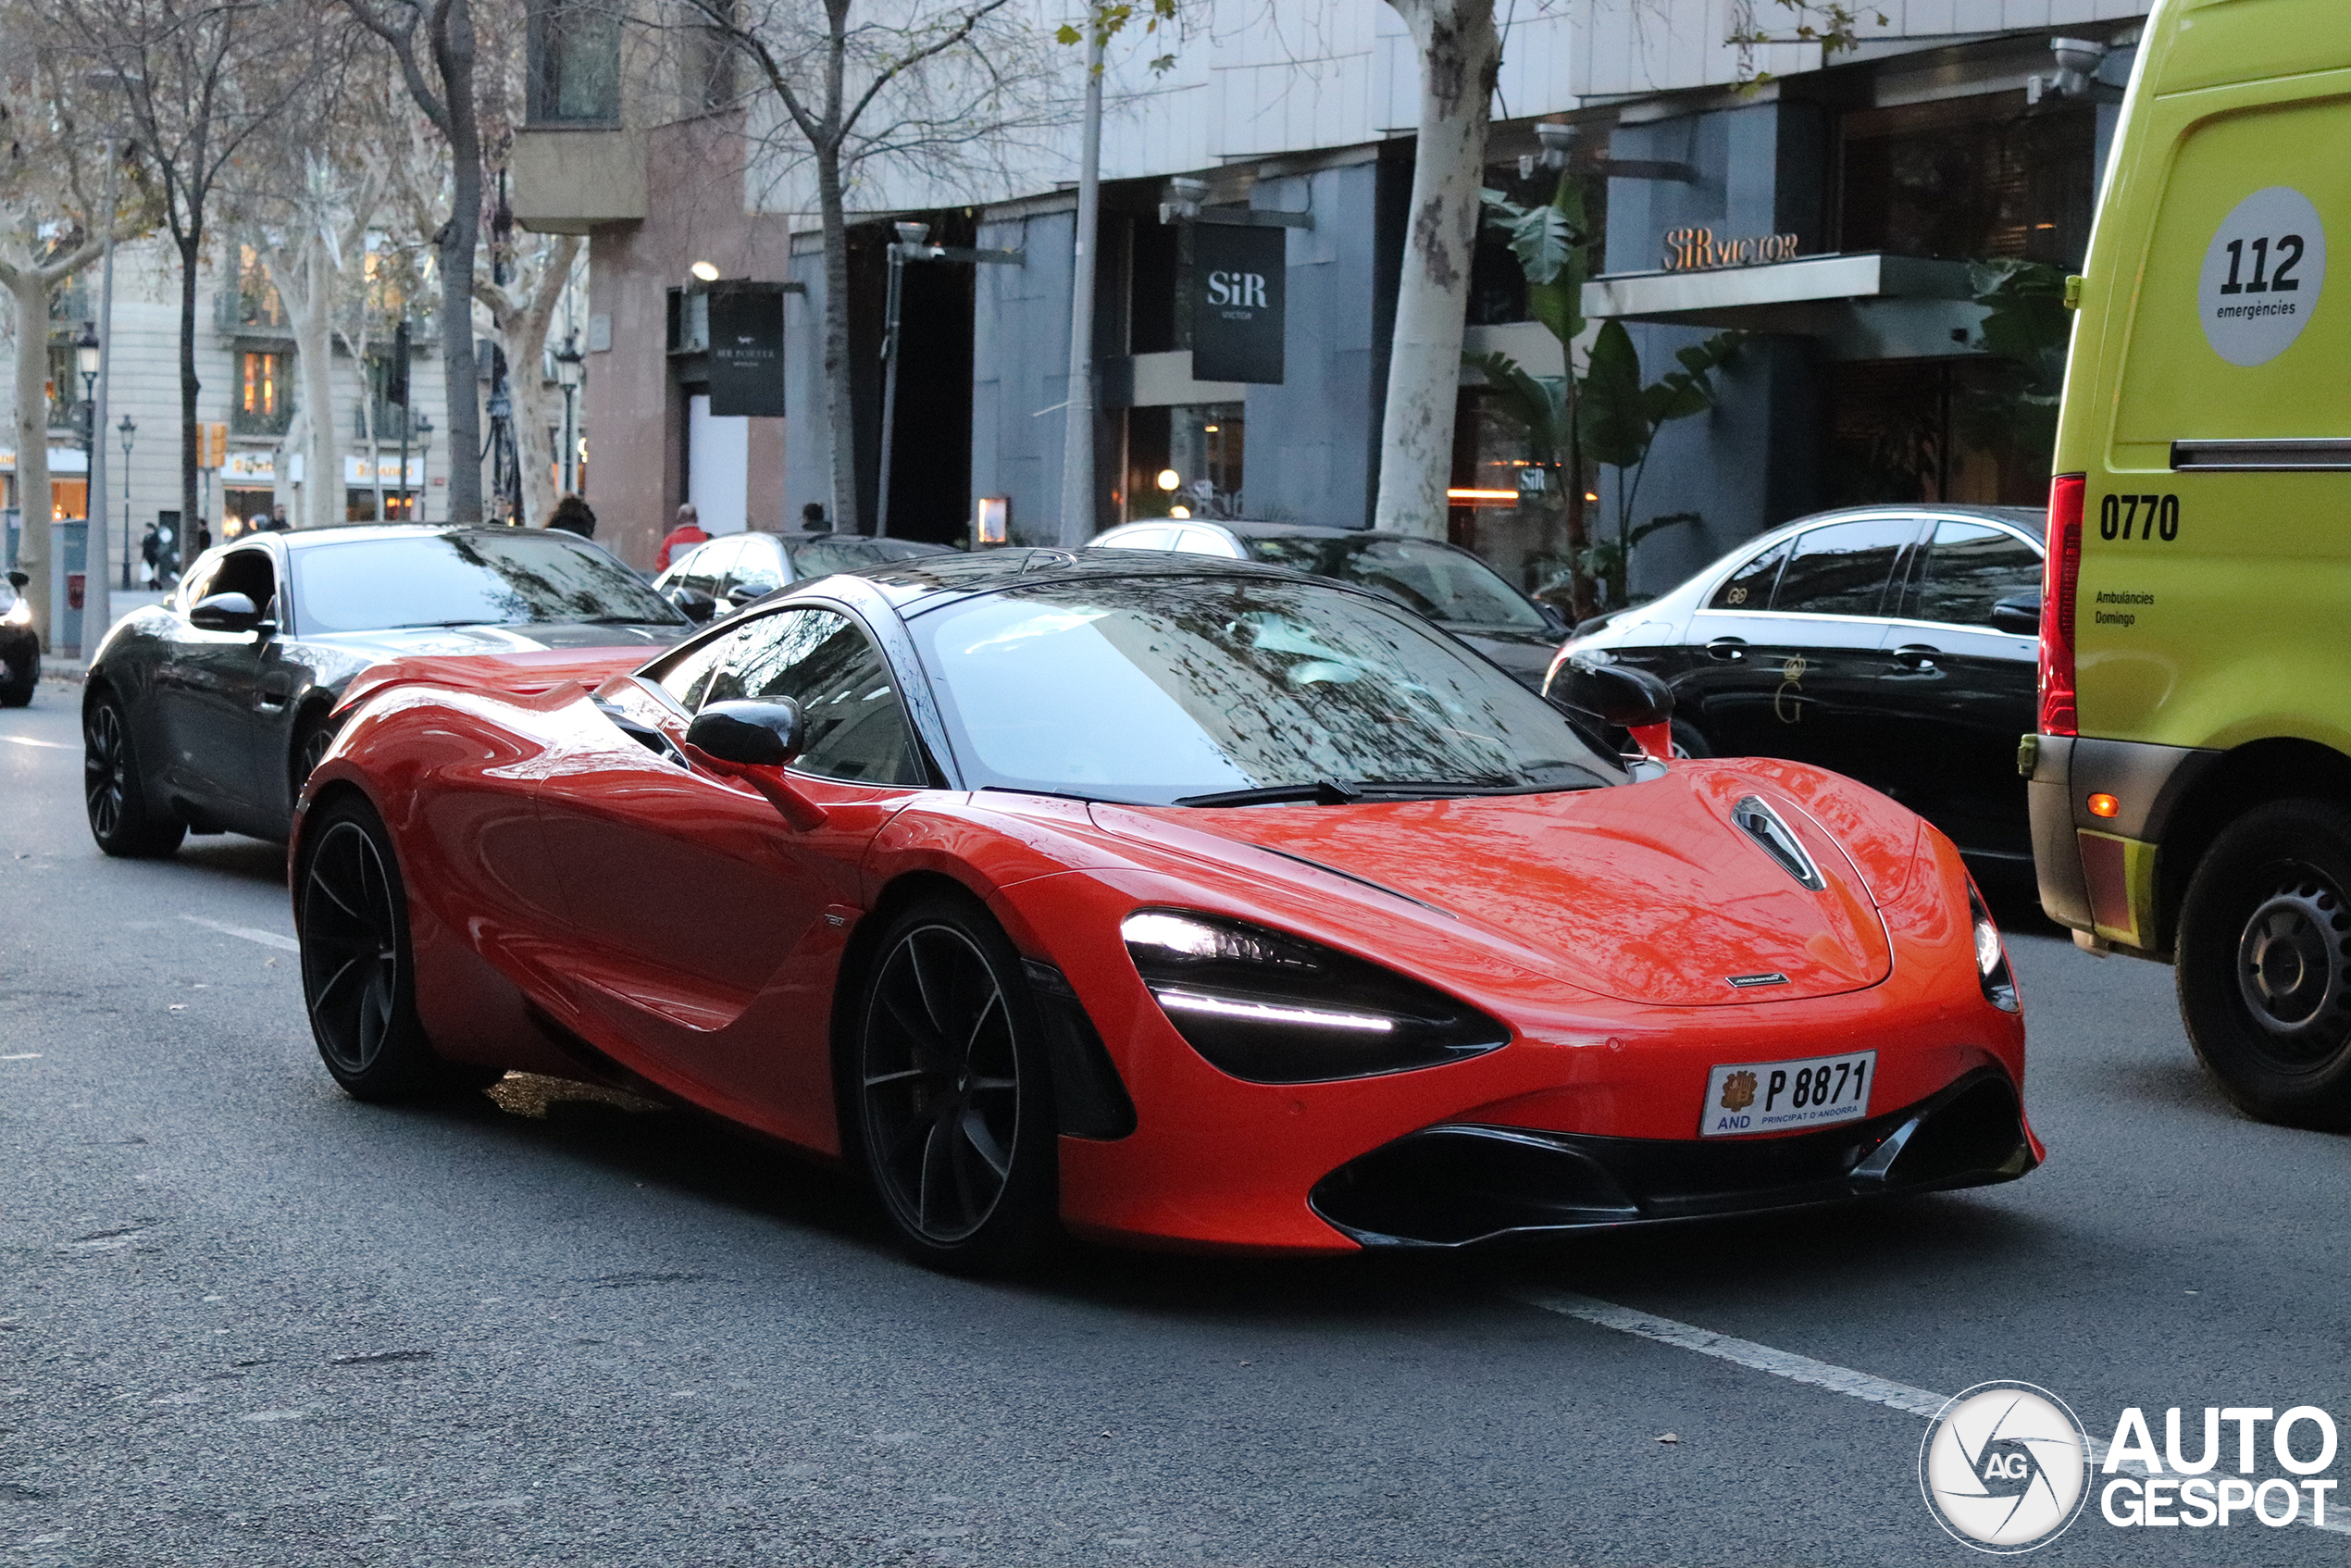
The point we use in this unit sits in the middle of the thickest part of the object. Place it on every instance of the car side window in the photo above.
(1144, 539)
(1200, 541)
(707, 566)
(1841, 569)
(1972, 567)
(251, 573)
(1750, 588)
(197, 584)
(855, 723)
(756, 567)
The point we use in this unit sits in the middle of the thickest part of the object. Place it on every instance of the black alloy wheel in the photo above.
(954, 1111)
(121, 818)
(2265, 963)
(317, 734)
(356, 963)
(1690, 741)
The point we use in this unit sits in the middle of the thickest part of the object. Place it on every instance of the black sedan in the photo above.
(1898, 646)
(1438, 581)
(207, 712)
(19, 645)
(726, 573)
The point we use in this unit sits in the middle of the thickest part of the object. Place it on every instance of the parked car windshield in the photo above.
(467, 579)
(1440, 582)
(818, 557)
(1158, 690)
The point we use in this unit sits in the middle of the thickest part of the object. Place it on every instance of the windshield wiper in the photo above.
(434, 626)
(1323, 791)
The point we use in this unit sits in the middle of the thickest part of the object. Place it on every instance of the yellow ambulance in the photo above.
(2191, 775)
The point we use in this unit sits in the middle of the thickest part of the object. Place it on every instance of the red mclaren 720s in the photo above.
(1159, 900)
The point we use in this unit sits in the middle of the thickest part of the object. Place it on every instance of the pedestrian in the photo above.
(685, 536)
(276, 522)
(150, 552)
(573, 516)
(203, 539)
(812, 518)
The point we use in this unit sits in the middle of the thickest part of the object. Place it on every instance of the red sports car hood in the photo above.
(1647, 893)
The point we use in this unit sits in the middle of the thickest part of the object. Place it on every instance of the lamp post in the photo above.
(424, 468)
(126, 431)
(568, 363)
(88, 359)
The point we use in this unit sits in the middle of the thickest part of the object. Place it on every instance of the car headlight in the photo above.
(1274, 1009)
(1991, 957)
(18, 613)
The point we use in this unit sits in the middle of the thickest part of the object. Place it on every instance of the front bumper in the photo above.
(1449, 1185)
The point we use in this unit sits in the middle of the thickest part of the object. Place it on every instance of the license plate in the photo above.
(1818, 1091)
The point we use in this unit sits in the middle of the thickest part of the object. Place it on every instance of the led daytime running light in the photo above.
(1265, 1012)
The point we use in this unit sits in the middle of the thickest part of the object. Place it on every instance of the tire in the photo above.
(948, 1106)
(312, 736)
(19, 678)
(358, 970)
(123, 819)
(2264, 959)
(1689, 741)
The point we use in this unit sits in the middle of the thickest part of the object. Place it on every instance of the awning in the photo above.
(1869, 306)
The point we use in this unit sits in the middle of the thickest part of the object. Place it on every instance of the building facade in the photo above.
(1854, 218)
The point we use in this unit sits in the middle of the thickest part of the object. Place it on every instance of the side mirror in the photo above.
(225, 611)
(747, 734)
(2020, 613)
(744, 593)
(1618, 694)
(18, 579)
(694, 604)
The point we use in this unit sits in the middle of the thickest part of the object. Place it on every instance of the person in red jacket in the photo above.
(685, 536)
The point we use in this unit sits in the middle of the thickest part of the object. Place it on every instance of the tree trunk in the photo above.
(29, 289)
(522, 332)
(453, 52)
(840, 409)
(191, 251)
(307, 304)
(1460, 56)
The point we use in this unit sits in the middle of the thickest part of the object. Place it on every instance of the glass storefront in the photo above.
(1184, 461)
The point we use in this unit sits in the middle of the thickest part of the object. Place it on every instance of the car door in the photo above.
(1957, 691)
(1799, 676)
(1720, 684)
(708, 927)
(210, 687)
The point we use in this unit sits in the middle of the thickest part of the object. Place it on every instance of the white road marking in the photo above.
(1781, 1364)
(266, 938)
(49, 745)
(22, 1056)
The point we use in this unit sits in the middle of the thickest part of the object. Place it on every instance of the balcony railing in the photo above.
(384, 421)
(253, 422)
(66, 414)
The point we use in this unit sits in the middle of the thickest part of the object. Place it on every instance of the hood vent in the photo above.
(1764, 826)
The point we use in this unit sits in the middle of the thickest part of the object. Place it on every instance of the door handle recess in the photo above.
(1727, 649)
(1917, 655)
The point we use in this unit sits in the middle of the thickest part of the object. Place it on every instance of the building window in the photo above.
(574, 62)
(265, 400)
(1909, 430)
(68, 498)
(1970, 179)
(65, 410)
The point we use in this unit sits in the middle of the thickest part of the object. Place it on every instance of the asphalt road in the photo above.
(245, 1320)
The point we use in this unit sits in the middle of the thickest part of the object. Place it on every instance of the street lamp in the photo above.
(568, 361)
(127, 429)
(423, 429)
(87, 360)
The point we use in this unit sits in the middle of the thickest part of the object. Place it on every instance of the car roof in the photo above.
(909, 583)
(347, 533)
(2033, 520)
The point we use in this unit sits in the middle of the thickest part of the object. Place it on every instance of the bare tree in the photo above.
(196, 82)
(866, 82)
(435, 45)
(50, 226)
(1460, 53)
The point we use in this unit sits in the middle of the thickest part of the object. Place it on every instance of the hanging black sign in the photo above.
(1237, 289)
(747, 350)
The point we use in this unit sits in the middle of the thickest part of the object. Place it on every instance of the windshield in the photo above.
(467, 579)
(1436, 581)
(817, 557)
(1160, 690)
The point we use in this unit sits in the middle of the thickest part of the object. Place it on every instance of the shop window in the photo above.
(574, 66)
(1504, 505)
(1970, 179)
(1184, 462)
(265, 397)
(1927, 429)
(68, 498)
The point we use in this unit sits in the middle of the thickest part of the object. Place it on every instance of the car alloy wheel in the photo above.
(952, 1105)
(120, 819)
(350, 949)
(2264, 963)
